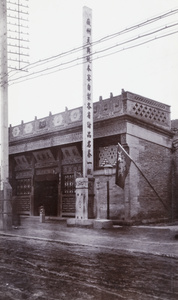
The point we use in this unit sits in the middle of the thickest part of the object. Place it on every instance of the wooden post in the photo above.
(108, 199)
(5, 188)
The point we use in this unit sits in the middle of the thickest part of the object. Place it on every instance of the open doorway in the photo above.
(46, 194)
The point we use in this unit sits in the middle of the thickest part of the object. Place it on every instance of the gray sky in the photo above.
(150, 70)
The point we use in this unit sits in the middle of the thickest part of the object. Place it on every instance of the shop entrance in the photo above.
(46, 194)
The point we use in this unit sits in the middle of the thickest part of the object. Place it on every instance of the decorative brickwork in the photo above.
(21, 163)
(126, 104)
(22, 204)
(71, 155)
(58, 120)
(107, 108)
(174, 126)
(68, 205)
(23, 174)
(28, 128)
(68, 184)
(47, 152)
(150, 102)
(107, 155)
(150, 113)
(23, 186)
(68, 169)
(147, 109)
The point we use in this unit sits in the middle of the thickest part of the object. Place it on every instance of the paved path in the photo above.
(157, 240)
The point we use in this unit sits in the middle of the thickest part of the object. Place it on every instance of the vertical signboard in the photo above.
(87, 94)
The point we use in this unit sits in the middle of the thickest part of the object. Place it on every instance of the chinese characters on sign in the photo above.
(87, 94)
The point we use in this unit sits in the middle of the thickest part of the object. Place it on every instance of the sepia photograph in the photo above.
(88, 150)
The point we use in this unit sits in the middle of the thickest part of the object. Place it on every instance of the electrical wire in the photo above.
(103, 39)
(97, 52)
(123, 49)
(137, 45)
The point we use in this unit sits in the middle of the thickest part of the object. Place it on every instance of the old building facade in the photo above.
(46, 157)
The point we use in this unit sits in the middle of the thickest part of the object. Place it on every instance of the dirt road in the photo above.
(34, 269)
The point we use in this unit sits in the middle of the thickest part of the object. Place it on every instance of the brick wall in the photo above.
(116, 195)
(138, 202)
(155, 162)
(175, 177)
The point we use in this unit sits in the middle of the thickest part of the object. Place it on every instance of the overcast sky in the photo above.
(56, 26)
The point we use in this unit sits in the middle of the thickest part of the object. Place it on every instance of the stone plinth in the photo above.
(81, 198)
(42, 218)
(6, 207)
(80, 223)
(102, 224)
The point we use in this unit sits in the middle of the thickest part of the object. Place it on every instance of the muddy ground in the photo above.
(34, 269)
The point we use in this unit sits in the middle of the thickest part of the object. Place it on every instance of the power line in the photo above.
(106, 38)
(76, 64)
(144, 23)
(97, 52)
(137, 45)
(139, 37)
(103, 39)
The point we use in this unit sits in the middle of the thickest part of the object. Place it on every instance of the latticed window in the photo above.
(107, 155)
(68, 184)
(23, 186)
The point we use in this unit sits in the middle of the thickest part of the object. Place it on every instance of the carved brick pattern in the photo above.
(123, 139)
(58, 120)
(42, 124)
(68, 169)
(107, 155)
(149, 113)
(70, 155)
(150, 102)
(23, 174)
(22, 163)
(23, 204)
(48, 170)
(69, 173)
(102, 109)
(111, 129)
(68, 205)
(23, 186)
(69, 184)
(44, 156)
(117, 105)
(75, 115)
(28, 128)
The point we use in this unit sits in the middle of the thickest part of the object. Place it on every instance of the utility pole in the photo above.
(5, 188)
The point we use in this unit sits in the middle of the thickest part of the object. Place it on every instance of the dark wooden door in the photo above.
(46, 194)
(68, 195)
